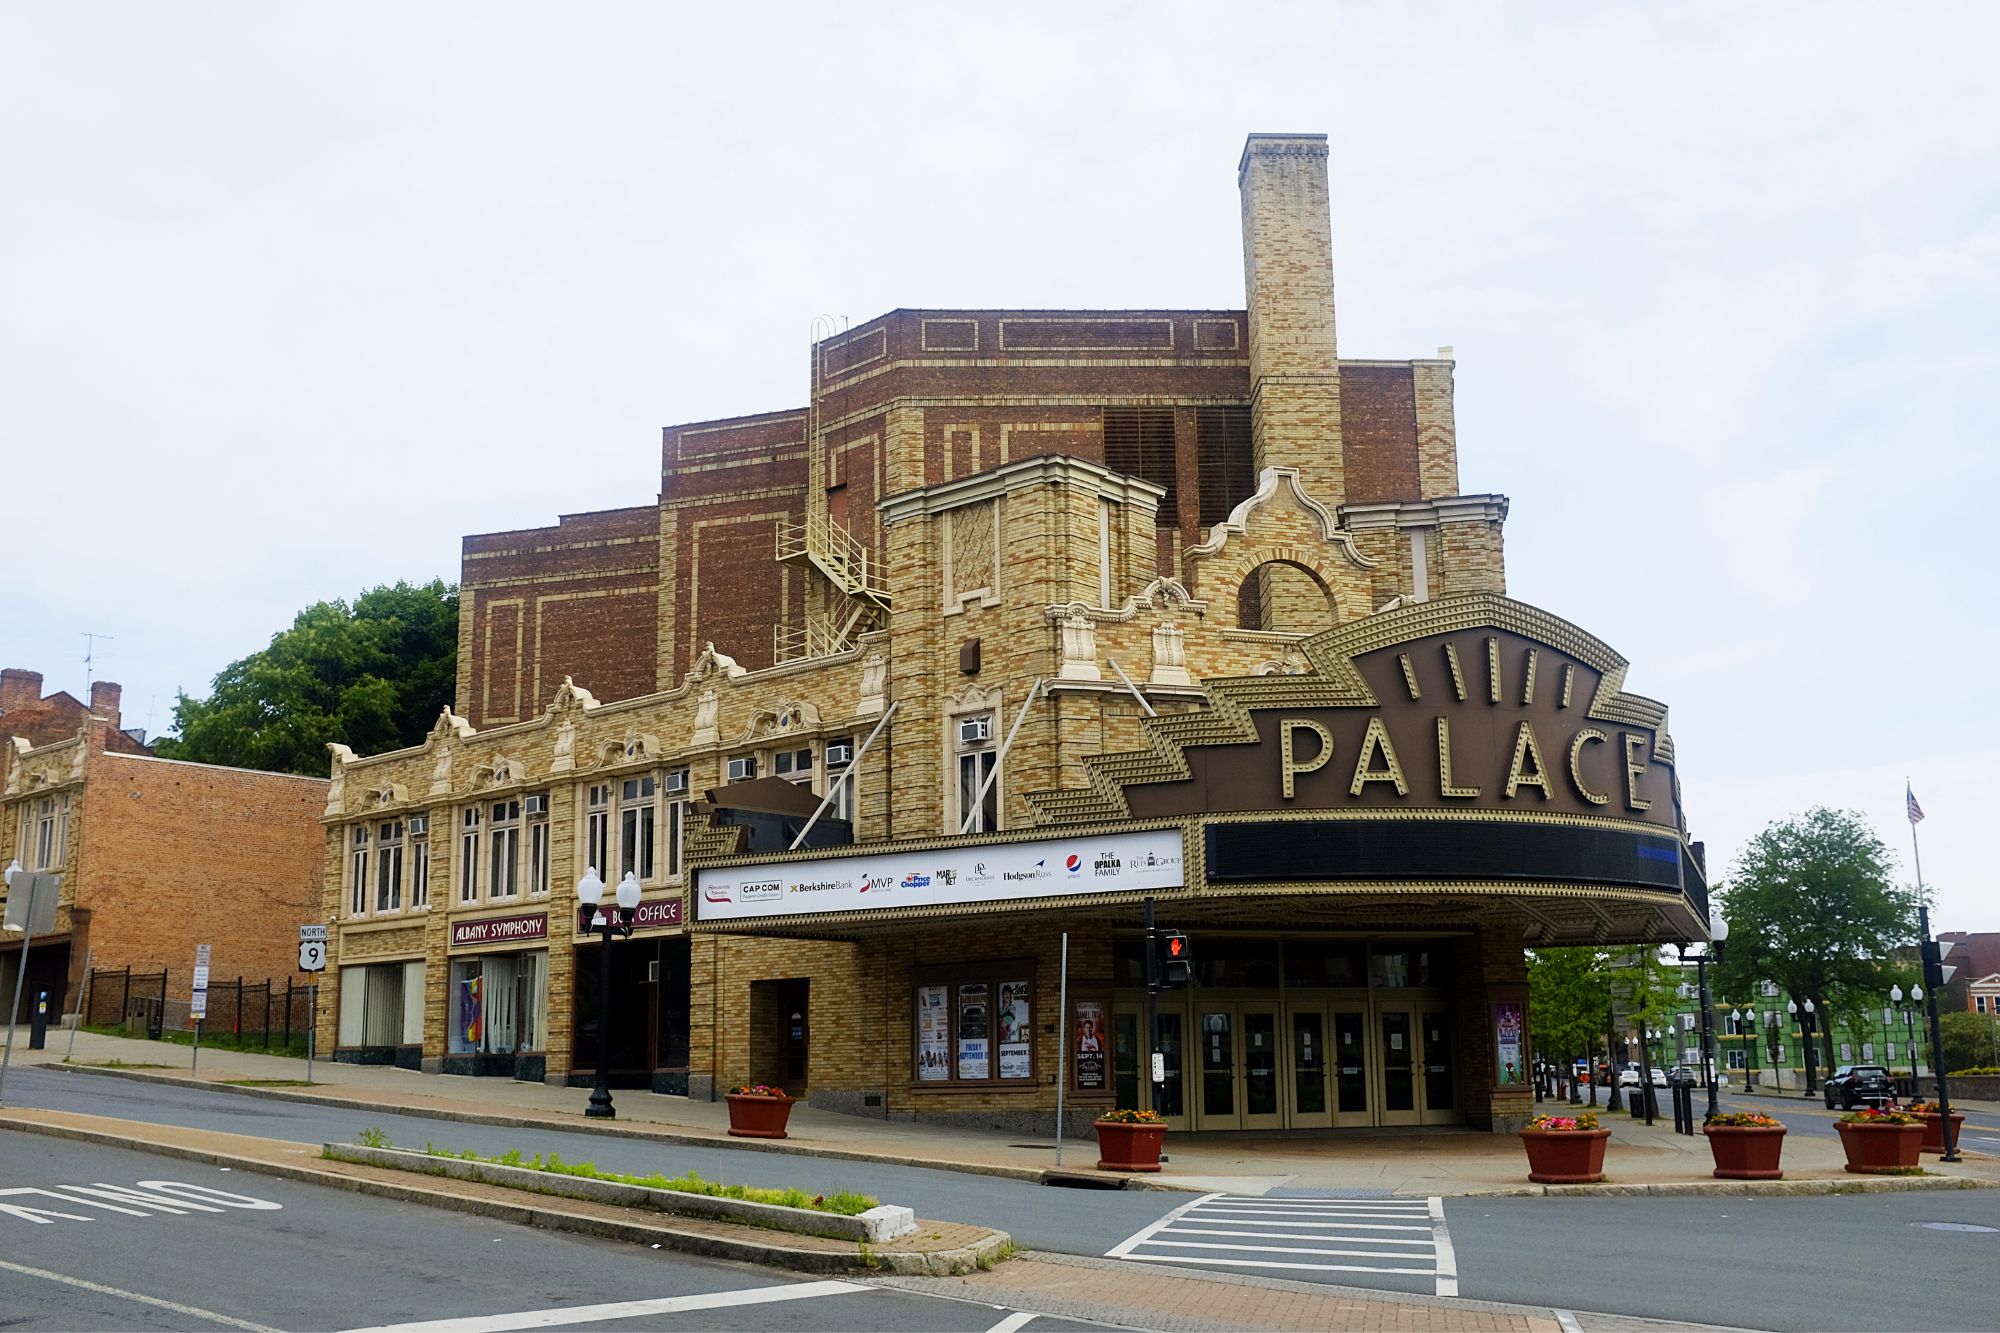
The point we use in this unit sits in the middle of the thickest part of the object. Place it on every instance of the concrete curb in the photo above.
(991, 1248)
(1032, 1174)
(1737, 1188)
(877, 1226)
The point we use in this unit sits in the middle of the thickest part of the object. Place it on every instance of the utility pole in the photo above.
(1156, 1058)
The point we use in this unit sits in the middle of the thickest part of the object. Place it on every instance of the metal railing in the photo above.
(255, 1013)
(835, 552)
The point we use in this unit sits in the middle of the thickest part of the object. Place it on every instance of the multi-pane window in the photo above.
(793, 765)
(636, 826)
(468, 856)
(976, 760)
(677, 793)
(503, 866)
(839, 763)
(51, 831)
(538, 844)
(597, 828)
(389, 866)
(357, 892)
(420, 864)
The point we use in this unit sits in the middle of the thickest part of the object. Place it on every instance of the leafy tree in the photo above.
(1971, 1041)
(1812, 907)
(372, 676)
(1645, 990)
(1569, 996)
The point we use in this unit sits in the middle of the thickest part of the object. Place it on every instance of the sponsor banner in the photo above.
(1090, 1039)
(499, 930)
(1105, 863)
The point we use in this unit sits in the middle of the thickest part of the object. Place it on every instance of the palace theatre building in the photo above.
(1035, 617)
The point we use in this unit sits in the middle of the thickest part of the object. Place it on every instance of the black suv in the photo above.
(1858, 1085)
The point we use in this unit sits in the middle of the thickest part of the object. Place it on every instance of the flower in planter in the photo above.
(1130, 1117)
(1565, 1123)
(757, 1090)
(1868, 1115)
(1745, 1120)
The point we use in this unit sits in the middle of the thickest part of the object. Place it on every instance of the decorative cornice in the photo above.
(1267, 490)
(1041, 470)
(1425, 513)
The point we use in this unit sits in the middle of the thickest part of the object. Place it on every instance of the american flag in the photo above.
(1915, 811)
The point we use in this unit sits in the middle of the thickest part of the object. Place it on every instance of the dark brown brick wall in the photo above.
(1378, 423)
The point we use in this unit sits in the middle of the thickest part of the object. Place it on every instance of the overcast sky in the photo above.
(293, 296)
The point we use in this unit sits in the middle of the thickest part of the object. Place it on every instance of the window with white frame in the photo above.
(468, 856)
(597, 828)
(1778, 1052)
(357, 880)
(839, 764)
(677, 802)
(1892, 1050)
(420, 862)
(793, 766)
(1770, 989)
(389, 866)
(636, 801)
(51, 832)
(1846, 1053)
(503, 864)
(1737, 1060)
(977, 758)
(536, 813)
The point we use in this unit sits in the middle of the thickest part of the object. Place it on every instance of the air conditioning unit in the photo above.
(839, 753)
(741, 770)
(677, 782)
(973, 730)
(537, 805)
(420, 825)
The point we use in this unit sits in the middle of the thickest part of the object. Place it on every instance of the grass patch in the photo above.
(269, 1083)
(372, 1138)
(252, 1042)
(119, 1064)
(845, 1203)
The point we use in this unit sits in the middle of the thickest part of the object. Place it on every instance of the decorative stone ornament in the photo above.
(706, 710)
(1079, 647)
(1169, 657)
(564, 759)
(874, 685)
(336, 794)
(441, 772)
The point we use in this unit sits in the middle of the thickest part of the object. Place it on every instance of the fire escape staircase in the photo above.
(860, 595)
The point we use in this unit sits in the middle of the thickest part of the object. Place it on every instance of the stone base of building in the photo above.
(402, 1057)
(527, 1067)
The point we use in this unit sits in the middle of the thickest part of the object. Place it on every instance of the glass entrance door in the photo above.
(1399, 1067)
(1215, 1030)
(1263, 1093)
(1132, 1064)
(1440, 1089)
(1352, 1104)
(1311, 1091)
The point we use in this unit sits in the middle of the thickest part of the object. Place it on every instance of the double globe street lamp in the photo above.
(1910, 1008)
(618, 918)
(1805, 1021)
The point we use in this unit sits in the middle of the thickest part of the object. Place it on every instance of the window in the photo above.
(597, 829)
(538, 844)
(1139, 442)
(51, 832)
(1737, 1060)
(976, 761)
(503, 870)
(973, 1025)
(420, 864)
(1778, 1052)
(357, 890)
(468, 857)
(1228, 474)
(1846, 1053)
(1892, 1050)
(839, 763)
(1867, 1052)
(389, 867)
(635, 827)
(1979, 1004)
(793, 765)
(677, 789)
(1770, 990)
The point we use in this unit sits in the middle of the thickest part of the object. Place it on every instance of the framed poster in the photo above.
(974, 1042)
(1089, 1046)
(1012, 1030)
(933, 1035)
(1509, 1022)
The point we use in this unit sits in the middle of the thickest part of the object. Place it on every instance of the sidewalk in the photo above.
(1431, 1162)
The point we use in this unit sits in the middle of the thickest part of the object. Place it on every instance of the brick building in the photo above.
(1062, 612)
(155, 854)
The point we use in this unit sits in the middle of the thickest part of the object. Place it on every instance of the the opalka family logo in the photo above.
(1106, 864)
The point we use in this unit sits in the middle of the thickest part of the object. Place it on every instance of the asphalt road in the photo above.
(1036, 1216)
(197, 1247)
(1808, 1115)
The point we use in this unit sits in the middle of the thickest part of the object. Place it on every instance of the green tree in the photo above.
(1971, 1041)
(1812, 906)
(1569, 996)
(372, 676)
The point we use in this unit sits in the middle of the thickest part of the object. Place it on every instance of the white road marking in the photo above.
(1265, 1263)
(1567, 1321)
(165, 1196)
(1447, 1258)
(1295, 1235)
(1019, 1319)
(1139, 1237)
(1327, 1226)
(1289, 1249)
(587, 1314)
(154, 1301)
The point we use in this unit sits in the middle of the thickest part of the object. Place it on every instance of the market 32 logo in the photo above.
(1073, 863)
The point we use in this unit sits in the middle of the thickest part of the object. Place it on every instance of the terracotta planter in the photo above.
(1879, 1149)
(1565, 1156)
(758, 1117)
(1122, 1147)
(1934, 1130)
(1746, 1152)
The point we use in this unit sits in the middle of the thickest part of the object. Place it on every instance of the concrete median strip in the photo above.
(928, 1249)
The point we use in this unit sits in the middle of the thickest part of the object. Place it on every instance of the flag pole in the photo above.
(1916, 851)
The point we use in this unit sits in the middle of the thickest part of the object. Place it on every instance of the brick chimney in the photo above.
(104, 696)
(1288, 288)
(19, 689)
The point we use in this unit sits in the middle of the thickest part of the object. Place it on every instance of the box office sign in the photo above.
(657, 914)
(1055, 867)
(499, 930)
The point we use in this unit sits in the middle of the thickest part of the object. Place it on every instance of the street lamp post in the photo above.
(1746, 1027)
(1910, 1007)
(589, 895)
(1805, 1018)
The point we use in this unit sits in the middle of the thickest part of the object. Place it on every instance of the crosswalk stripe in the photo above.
(1291, 1235)
(1289, 1249)
(1404, 1237)
(1271, 1263)
(1339, 1226)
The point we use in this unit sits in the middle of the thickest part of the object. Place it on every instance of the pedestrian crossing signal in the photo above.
(1176, 960)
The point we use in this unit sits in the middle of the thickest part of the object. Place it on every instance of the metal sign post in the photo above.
(31, 903)
(197, 1000)
(312, 1027)
(82, 1005)
(312, 959)
(1062, 1044)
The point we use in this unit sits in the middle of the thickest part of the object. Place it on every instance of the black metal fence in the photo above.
(257, 1014)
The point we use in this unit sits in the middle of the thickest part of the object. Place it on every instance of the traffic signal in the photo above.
(1176, 960)
(1937, 972)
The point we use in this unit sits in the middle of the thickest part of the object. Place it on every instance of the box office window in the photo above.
(973, 1026)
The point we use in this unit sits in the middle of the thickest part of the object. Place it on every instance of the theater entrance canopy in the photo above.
(1457, 762)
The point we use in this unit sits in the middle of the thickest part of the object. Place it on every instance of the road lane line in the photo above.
(1447, 1258)
(154, 1301)
(587, 1314)
(1019, 1319)
(1125, 1247)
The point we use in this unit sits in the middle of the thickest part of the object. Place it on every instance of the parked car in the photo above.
(1629, 1076)
(1858, 1085)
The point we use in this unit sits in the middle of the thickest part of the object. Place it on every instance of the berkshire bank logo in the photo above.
(803, 886)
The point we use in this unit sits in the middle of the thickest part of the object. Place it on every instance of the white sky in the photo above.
(292, 296)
